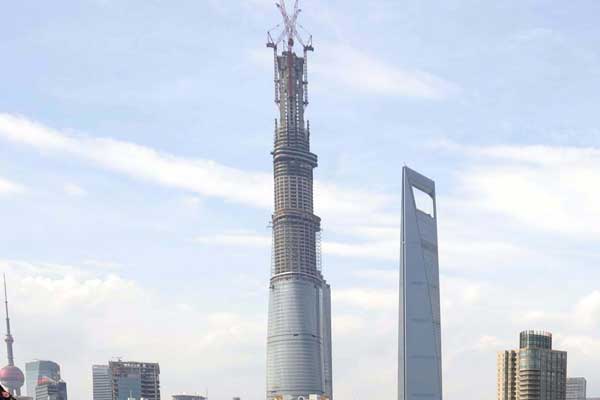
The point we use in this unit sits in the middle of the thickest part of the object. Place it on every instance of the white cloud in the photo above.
(381, 250)
(249, 6)
(587, 310)
(340, 206)
(7, 187)
(74, 190)
(366, 298)
(469, 251)
(379, 275)
(193, 202)
(368, 249)
(585, 347)
(582, 317)
(544, 188)
(78, 317)
(381, 292)
(205, 177)
(235, 239)
(374, 308)
(343, 67)
(346, 324)
(534, 34)
(44, 268)
(102, 264)
(69, 293)
(351, 68)
(459, 293)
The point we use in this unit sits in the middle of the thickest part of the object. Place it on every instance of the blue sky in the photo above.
(135, 182)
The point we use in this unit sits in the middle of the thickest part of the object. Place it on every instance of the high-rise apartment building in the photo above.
(35, 370)
(576, 388)
(419, 347)
(102, 382)
(299, 327)
(507, 375)
(48, 389)
(533, 372)
(134, 380)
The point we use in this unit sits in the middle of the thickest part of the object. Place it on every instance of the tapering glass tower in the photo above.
(299, 332)
(419, 346)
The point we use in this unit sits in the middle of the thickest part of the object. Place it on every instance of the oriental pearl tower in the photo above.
(11, 377)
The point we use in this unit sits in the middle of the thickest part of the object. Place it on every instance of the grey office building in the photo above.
(34, 370)
(299, 323)
(102, 382)
(138, 380)
(576, 388)
(533, 372)
(48, 389)
(419, 347)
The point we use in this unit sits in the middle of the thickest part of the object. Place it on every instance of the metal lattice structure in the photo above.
(299, 334)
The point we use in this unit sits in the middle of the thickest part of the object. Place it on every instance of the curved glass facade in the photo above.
(295, 343)
(535, 339)
(534, 372)
(34, 370)
(299, 331)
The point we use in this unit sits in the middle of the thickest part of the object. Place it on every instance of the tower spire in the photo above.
(11, 377)
(8, 339)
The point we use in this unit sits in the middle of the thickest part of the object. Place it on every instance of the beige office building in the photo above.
(534, 371)
(507, 375)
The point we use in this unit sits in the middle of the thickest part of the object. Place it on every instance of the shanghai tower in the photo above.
(299, 330)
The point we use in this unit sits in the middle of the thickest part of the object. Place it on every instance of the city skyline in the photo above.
(135, 183)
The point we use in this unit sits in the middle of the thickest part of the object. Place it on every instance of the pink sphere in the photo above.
(12, 377)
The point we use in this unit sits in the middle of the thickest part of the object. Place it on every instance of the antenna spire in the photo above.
(9, 339)
(11, 377)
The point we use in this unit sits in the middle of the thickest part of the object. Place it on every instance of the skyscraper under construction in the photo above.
(299, 332)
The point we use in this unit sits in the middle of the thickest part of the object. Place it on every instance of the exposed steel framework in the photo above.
(299, 334)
